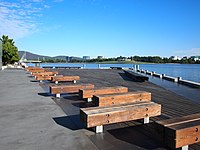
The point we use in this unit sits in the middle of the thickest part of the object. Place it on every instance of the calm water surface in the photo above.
(186, 71)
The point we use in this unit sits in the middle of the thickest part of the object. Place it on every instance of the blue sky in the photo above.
(109, 28)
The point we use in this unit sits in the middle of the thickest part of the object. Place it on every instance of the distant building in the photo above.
(121, 58)
(0, 55)
(185, 58)
(99, 57)
(86, 57)
(195, 58)
(175, 58)
(68, 59)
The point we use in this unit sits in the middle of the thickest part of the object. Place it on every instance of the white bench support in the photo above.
(146, 120)
(186, 147)
(74, 81)
(56, 82)
(54, 74)
(99, 129)
(40, 80)
(89, 99)
(58, 95)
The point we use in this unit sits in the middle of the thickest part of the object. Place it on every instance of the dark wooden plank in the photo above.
(107, 115)
(88, 93)
(136, 76)
(121, 98)
(47, 67)
(119, 68)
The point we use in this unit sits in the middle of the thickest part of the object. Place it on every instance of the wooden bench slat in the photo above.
(88, 93)
(44, 78)
(179, 120)
(65, 78)
(103, 115)
(45, 73)
(121, 98)
(69, 88)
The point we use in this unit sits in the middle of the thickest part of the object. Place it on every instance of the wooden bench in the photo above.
(181, 132)
(57, 79)
(41, 78)
(121, 98)
(54, 73)
(55, 89)
(48, 78)
(136, 76)
(88, 93)
(37, 70)
(99, 116)
(31, 68)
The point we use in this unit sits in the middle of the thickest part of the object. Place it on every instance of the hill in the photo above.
(32, 56)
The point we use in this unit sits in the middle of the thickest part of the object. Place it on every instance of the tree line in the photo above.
(146, 59)
(157, 59)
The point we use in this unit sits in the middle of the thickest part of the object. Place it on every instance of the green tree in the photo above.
(9, 51)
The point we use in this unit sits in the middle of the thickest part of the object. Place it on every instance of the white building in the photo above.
(175, 58)
(196, 58)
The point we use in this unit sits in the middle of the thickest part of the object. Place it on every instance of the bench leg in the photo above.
(186, 147)
(56, 82)
(146, 120)
(74, 81)
(99, 129)
(40, 80)
(54, 74)
(35, 77)
(89, 99)
(58, 95)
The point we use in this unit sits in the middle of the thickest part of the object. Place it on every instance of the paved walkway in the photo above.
(27, 120)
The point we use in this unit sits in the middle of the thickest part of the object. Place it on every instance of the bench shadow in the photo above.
(138, 135)
(71, 122)
(45, 94)
(29, 76)
(83, 104)
(34, 81)
(70, 96)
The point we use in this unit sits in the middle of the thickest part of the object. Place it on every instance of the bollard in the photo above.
(99, 66)
(135, 67)
(179, 78)
(138, 67)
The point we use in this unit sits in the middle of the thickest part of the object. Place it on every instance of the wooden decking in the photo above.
(133, 134)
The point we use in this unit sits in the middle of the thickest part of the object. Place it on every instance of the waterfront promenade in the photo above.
(31, 118)
(27, 120)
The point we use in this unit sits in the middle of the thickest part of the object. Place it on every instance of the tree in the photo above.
(9, 51)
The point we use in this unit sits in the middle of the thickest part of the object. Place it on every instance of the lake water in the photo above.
(186, 71)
